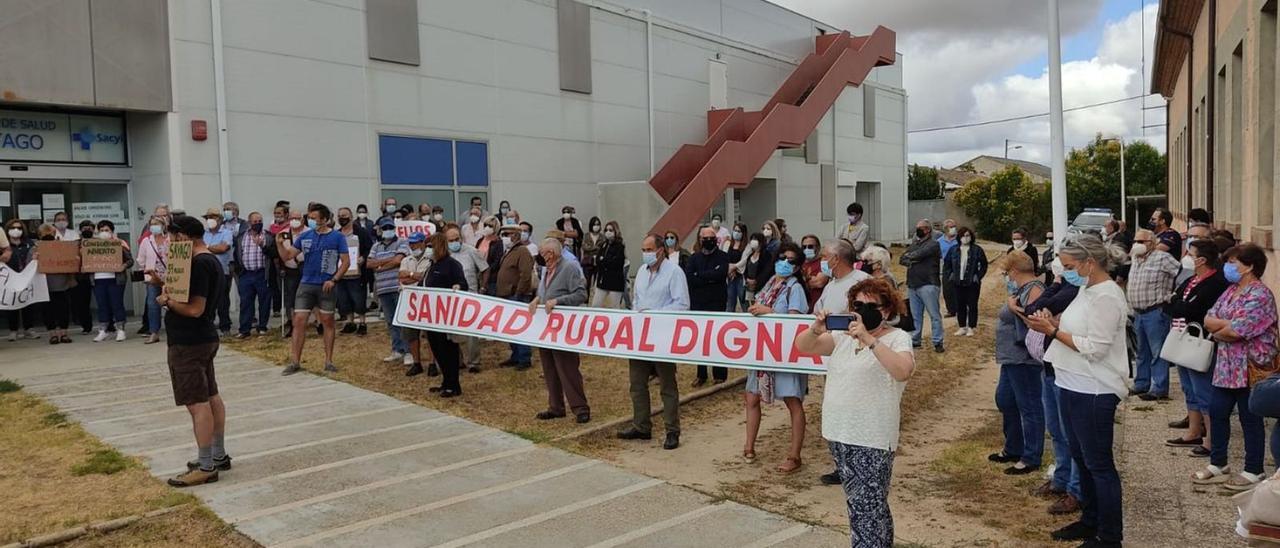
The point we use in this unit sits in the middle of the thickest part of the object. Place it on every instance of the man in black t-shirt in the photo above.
(193, 343)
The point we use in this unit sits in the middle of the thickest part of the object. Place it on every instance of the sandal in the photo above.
(1243, 481)
(790, 466)
(1211, 475)
(748, 457)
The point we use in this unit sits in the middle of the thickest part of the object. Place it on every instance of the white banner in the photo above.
(19, 289)
(706, 338)
(406, 227)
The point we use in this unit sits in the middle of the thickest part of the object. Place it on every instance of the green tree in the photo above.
(922, 183)
(1093, 174)
(1007, 200)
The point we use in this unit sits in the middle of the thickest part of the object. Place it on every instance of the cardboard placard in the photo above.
(101, 256)
(59, 257)
(177, 279)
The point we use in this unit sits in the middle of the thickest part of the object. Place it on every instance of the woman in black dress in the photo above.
(445, 272)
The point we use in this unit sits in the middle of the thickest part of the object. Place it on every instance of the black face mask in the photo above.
(541, 261)
(870, 314)
(257, 227)
(708, 244)
(344, 221)
(919, 232)
(86, 233)
(47, 238)
(867, 267)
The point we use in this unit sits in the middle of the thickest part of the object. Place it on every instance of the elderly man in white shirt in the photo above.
(660, 285)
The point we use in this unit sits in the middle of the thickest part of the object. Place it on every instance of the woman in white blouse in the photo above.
(1090, 361)
(867, 370)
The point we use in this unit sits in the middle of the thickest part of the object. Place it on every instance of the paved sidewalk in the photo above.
(323, 463)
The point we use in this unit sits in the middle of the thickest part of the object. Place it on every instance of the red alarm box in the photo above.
(199, 130)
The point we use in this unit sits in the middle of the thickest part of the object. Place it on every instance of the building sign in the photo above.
(66, 138)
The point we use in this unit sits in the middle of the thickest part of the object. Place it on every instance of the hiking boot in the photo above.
(193, 478)
(290, 369)
(220, 465)
(1065, 505)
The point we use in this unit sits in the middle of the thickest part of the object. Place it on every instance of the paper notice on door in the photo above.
(29, 212)
(53, 201)
(4, 198)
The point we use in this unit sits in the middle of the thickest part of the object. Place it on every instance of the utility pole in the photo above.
(1059, 166)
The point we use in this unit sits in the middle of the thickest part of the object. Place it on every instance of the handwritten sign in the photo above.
(405, 228)
(177, 280)
(101, 256)
(59, 257)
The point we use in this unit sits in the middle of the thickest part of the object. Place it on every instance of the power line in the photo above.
(1026, 117)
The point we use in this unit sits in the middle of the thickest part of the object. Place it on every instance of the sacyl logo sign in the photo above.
(86, 137)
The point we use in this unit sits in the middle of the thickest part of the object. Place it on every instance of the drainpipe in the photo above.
(1211, 111)
(1191, 135)
(220, 100)
(648, 67)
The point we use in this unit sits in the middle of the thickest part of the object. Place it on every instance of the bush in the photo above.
(1005, 201)
(922, 183)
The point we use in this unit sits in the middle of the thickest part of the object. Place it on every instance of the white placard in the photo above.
(4, 198)
(98, 211)
(52, 201)
(29, 212)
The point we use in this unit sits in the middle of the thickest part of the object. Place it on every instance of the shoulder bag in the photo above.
(1189, 347)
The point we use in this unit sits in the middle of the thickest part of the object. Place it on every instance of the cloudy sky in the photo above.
(972, 61)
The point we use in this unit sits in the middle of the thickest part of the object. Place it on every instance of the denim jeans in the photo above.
(153, 309)
(1152, 327)
(1264, 401)
(110, 298)
(388, 301)
(1225, 400)
(1018, 398)
(254, 292)
(1065, 474)
(520, 354)
(1197, 388)
(925, 298)
(1090, 425)
(737, 295)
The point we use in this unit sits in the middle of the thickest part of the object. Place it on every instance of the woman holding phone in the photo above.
(868, 365)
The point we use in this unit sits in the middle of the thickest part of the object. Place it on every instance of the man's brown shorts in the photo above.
(191, 371)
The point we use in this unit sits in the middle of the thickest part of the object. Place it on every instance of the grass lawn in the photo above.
(57, 476)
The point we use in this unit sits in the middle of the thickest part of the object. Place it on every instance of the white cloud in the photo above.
(957, 57)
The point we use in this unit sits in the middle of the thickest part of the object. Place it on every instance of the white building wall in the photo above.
(305, 104)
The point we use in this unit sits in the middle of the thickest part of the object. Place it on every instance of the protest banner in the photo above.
(20, 289)
(101, 256)
(404, 228)
(58, 257)
(177, 278)
(705, 338)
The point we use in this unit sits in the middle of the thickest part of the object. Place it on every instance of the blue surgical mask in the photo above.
(737, 235)
(388, 234)
(455, 247)
(1231, 272)
(311, 223)
(524, 236)
(826, 270)
(156, 230)
(1010, 286)
(671, 242)
(227, 215)
(809, 254)
(784, 268)
(649, 257)
(1074, 278)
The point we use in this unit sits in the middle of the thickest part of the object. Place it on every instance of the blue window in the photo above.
(473, 163)
(415, 160)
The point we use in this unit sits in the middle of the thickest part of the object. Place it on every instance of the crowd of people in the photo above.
(1062, 340)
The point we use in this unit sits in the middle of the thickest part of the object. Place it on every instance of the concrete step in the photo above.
(155, 402)
(97, 398)
(729, 525)
(156, 376)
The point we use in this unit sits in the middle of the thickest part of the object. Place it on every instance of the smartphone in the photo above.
(840, 322)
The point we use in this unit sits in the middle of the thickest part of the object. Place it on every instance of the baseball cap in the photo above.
(417, 238)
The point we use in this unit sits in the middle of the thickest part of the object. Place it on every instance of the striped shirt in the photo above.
(387, 281)
(1151, 280)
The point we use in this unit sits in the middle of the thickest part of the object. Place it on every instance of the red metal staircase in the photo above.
(739, 142)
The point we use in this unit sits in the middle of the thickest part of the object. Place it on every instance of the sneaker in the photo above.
(290, 369)
(193, 478)
(30, 335)
(243, 336)
(102, 336)
(13, 336)
(152, 339)
(120, 335)
(362, 329)
(960, 332)
(1022, 470)
(393, 358)
(64, 339)
(330, 368)
(221, 465)
(408, 359)
(1075, 531)
(968, 331)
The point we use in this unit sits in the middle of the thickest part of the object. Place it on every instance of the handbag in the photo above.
(1194, 352)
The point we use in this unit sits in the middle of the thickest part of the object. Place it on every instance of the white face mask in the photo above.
(715, 223)
(211, 223)
(390, 208)
(362, 216)
(438, 217)
(506, 241)
(428, 252)
(474, 219)
(966, 240)
(609, 234)
(1019, 244)
(417, 253)
(1138, 250)
(295, 223)
(104, 235)
(951, 231)
(486, 231)
(1188, 262)
(15, 233)
(567, 216)
(62, 225)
